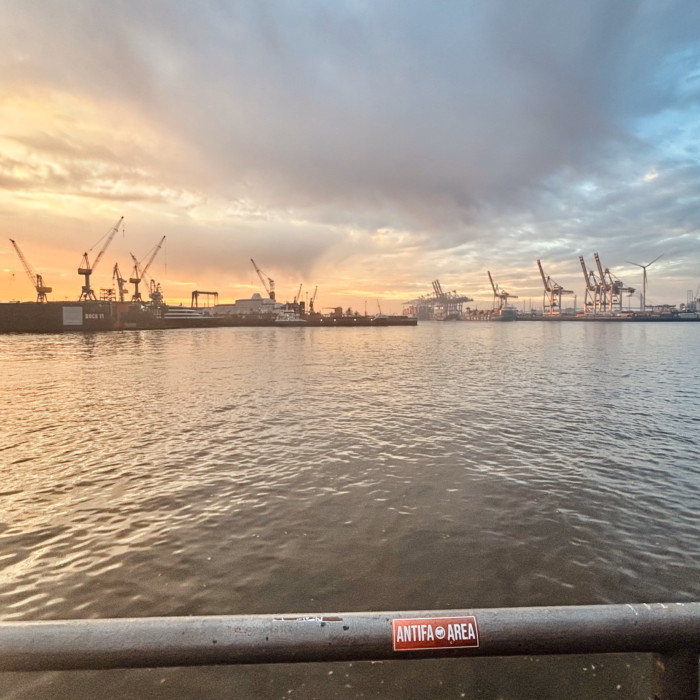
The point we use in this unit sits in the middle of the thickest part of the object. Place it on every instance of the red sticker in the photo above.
(434, 633)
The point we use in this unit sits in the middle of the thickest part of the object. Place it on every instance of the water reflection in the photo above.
(266, 470)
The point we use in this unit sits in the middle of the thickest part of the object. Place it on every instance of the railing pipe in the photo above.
(671, 630)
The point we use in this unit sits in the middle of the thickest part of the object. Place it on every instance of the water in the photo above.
(228, 471)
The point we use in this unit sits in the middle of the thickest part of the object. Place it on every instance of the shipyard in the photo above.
(114, 310)
(606, 298)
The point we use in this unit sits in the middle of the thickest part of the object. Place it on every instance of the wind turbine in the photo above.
(644, 286)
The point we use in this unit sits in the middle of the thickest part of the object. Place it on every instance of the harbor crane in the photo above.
(500, 296)
(551, 299)
(440, 305)
(198, 293)
(138, 273)
(611, 289)
(298, 296)
(591, 302)
(85, 269)
(267, 282)
(447, 305)
(644, 284)
(312, 300)
(37, 280)
(121, 282)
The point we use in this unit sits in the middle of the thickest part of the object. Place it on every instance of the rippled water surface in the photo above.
(225, 471)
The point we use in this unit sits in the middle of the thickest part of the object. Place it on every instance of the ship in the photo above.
(54, 317)
(87, 316)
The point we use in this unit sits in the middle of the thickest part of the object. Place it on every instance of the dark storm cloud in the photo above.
(454, 121)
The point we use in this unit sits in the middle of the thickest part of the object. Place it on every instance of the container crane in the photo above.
(591, 303)
(446, 305)
(605, 286)
(36, 279)
(551, 299)
(267, 282)
(611, 288)
(500, 296)
(138, 274)
(85, 269)
(121, 282)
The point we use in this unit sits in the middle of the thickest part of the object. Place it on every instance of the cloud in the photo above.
(412, 138)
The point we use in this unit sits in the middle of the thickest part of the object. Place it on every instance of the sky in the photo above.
(364, 147)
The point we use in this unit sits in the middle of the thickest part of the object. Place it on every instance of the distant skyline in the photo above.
(364, 147)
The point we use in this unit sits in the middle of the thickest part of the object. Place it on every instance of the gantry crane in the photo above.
(36, 279)
(85, 269)
(269, 284)
(138, 273)
(591, 302)
(551, 299)
(611, 289)
(447, 305)
(500, 296)
(121, 282)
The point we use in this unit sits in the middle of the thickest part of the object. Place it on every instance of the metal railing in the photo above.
(671, 631)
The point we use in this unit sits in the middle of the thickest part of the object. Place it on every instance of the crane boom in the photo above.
(140, 272)
(27, 267)
(599, 265)
(589, 286)
(544, 279)
(152, 258)
(269, 284)
(493, 286)
(36, 279)
(86, 269)
(113, 231)
(137, 274)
